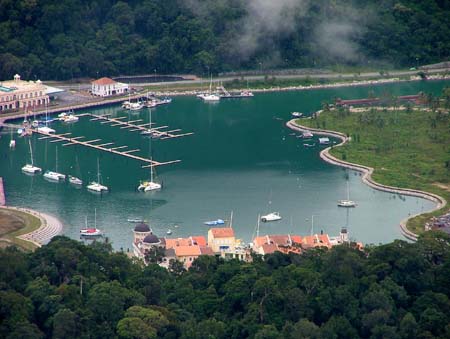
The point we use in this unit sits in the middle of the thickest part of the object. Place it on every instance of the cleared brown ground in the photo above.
(9, 222)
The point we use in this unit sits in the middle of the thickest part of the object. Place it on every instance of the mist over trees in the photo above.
(68, 290)
(65, 39)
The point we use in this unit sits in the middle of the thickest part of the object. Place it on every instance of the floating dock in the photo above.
(70, 141)
(132, 126)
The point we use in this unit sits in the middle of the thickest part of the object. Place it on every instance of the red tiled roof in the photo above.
(222, 232)
(280, 239)
(296, 239)
(200, 240)
(104, 81)
(187, 251)
(205, 250)
(269, 248)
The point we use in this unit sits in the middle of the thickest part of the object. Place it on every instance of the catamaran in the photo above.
(148, 186)
(30, 168)
(95, 186)
(55, 176)
(347, 202)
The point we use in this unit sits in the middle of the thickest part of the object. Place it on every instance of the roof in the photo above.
(199, 240)
(316, 240)
(269, 248)
(169, 252)
(172, 243)
(104, 81)
(222, 232)
(296, 239)
(151, 239)
(142, 227)
(184, 251)
(205, 250)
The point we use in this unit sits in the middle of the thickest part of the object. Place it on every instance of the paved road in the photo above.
(330, 75)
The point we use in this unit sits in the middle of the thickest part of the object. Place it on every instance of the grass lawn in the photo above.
(14, 223)
(406, 149)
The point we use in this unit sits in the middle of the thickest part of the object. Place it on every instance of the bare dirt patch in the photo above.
(442, 186)
(9, 223)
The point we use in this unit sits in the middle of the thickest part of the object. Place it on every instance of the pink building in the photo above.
(18, 94)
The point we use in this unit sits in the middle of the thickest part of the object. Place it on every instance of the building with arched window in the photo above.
(18, 94)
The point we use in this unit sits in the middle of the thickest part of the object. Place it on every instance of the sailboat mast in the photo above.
(312, 224)
(98, 171)
(348, 191)
(257, 226)
(95, 218)
(31, 152)
(56, 165)
(231, 219)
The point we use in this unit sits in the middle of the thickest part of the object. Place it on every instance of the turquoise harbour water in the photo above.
(241, 158)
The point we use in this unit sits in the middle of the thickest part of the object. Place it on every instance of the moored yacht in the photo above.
(96, 186)
(54, 176)
(75, 181)
(274, 216)
(30, 168)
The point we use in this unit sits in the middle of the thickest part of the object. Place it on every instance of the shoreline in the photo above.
(49, 228)
(116, 100)
(367, 175)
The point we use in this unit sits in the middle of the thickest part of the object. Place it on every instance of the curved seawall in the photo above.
(367, 174)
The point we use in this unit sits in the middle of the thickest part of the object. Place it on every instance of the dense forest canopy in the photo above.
(68, 290)
(63, 39)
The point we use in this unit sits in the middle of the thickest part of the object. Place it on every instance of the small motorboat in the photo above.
(45, 129)
(214, 222)
(307, 135)
(274, 216)
(346, 203)
(75, 181)
(296, 114)
(169, 232)
(90, 232)
(309, 145)
(12, 143)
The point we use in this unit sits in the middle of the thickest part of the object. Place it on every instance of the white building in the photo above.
(105, 87)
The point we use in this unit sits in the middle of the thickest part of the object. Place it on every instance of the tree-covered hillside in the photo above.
(63, 39)
(69, 290)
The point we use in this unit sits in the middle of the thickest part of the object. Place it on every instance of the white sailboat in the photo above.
(209, 96)
(347, 202)
(12, 142)
(151, 185)
(55, 176)
(30, 168)
(45, 128)
(91, 231)
(95, 186)
(147, 186)
(74, 180)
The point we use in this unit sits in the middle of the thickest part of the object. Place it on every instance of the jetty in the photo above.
(2, 193)
(70, 141)
(133, 126)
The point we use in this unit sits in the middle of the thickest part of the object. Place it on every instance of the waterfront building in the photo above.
(144, 240)
(221, 239)
(268, 244)
(105, 87)
(186, 250)
(19, 94)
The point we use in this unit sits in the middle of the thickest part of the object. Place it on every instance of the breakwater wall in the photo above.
(2, 193)
(367, 174)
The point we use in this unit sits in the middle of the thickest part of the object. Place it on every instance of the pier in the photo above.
(2, 193)
(132, 126)
(69, 141)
